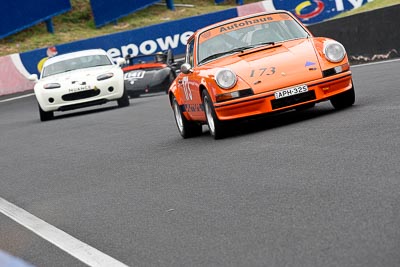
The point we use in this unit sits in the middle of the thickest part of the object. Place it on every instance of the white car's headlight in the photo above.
(226, 78)
(334, 51)
(51, 85)
(105, 76)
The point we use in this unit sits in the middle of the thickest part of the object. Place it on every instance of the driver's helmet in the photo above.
(128, 59)
(160, 57)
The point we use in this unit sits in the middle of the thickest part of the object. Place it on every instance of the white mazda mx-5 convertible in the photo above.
(79, 79)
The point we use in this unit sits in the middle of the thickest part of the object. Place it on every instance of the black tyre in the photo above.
(186, 128)
(45, 115)
(124, 100)
(344, 100)
(218, 129)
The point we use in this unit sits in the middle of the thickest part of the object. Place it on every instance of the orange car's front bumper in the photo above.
(260, 104)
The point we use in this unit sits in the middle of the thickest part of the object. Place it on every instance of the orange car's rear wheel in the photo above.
(186, 128)
(217, 127)
(344, 100)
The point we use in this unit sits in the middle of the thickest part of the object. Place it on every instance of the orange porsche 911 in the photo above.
(256, 65)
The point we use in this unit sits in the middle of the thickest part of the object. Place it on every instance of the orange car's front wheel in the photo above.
(186, 128)
(217, 127)
(344, 100)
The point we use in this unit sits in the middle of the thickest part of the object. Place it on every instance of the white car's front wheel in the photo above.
(45, 115)
(124, 100)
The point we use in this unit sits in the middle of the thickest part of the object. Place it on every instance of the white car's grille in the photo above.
(80, 95)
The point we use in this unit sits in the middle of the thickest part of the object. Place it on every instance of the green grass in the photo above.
(78, 23)
(369, 6)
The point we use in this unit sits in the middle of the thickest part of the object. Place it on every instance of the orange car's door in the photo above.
(189, 90)
(188, 86)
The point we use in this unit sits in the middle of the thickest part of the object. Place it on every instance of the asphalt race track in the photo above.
(313, 188)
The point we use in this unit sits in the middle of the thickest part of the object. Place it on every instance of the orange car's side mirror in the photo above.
(186, 68)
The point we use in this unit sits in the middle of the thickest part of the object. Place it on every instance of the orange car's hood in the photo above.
(280, 66)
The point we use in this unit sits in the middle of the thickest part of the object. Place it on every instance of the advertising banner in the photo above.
(174, 34)
(313, 11)
(17, 15)
(144, 41)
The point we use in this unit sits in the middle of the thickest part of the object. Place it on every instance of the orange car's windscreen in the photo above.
(247, 33)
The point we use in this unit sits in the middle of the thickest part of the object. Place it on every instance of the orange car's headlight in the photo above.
(226, 78)
(334, 51)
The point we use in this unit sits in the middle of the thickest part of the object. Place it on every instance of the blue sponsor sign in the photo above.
(17, 15)
(106, 11)
(313, 11)
(144, 41)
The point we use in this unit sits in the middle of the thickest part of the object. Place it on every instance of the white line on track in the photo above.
(15, 98)
(57, 237)
(375, 63)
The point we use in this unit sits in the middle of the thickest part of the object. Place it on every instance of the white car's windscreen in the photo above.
(75, 63)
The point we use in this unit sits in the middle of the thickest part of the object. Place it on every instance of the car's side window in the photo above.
(189, 52)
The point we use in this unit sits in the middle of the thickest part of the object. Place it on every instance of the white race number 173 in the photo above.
(186, 88)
